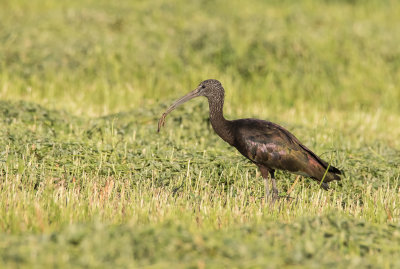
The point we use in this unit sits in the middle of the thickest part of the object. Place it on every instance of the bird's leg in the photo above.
(266, 189)
(274, 189)
(265, 172)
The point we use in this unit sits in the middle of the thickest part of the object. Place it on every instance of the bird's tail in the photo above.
(333, 174)
(325, 186)
(335, 171)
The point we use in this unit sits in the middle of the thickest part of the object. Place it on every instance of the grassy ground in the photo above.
(85, 180)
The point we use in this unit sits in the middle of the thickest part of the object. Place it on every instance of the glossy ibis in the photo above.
(264, 143)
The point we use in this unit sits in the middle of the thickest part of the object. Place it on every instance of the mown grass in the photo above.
(86, 180)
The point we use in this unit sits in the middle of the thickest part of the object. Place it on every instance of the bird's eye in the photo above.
(203, 86)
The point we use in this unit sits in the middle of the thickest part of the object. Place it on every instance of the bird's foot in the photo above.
(272, 197)
(275, 195)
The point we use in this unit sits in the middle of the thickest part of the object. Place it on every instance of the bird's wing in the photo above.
(294, 139)
(271, 145)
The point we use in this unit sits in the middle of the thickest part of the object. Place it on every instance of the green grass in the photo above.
(86, 181)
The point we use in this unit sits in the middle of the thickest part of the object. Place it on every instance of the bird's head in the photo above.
(210, 88)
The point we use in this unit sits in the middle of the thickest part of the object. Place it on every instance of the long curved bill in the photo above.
(178, 102)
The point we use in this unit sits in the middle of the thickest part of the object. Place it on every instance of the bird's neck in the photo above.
(220, 125)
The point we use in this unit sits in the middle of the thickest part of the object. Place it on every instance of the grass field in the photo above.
(86, 181)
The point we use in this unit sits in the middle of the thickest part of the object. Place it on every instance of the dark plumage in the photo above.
(264, 143)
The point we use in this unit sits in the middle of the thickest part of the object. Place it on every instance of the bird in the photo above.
(266, 144)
